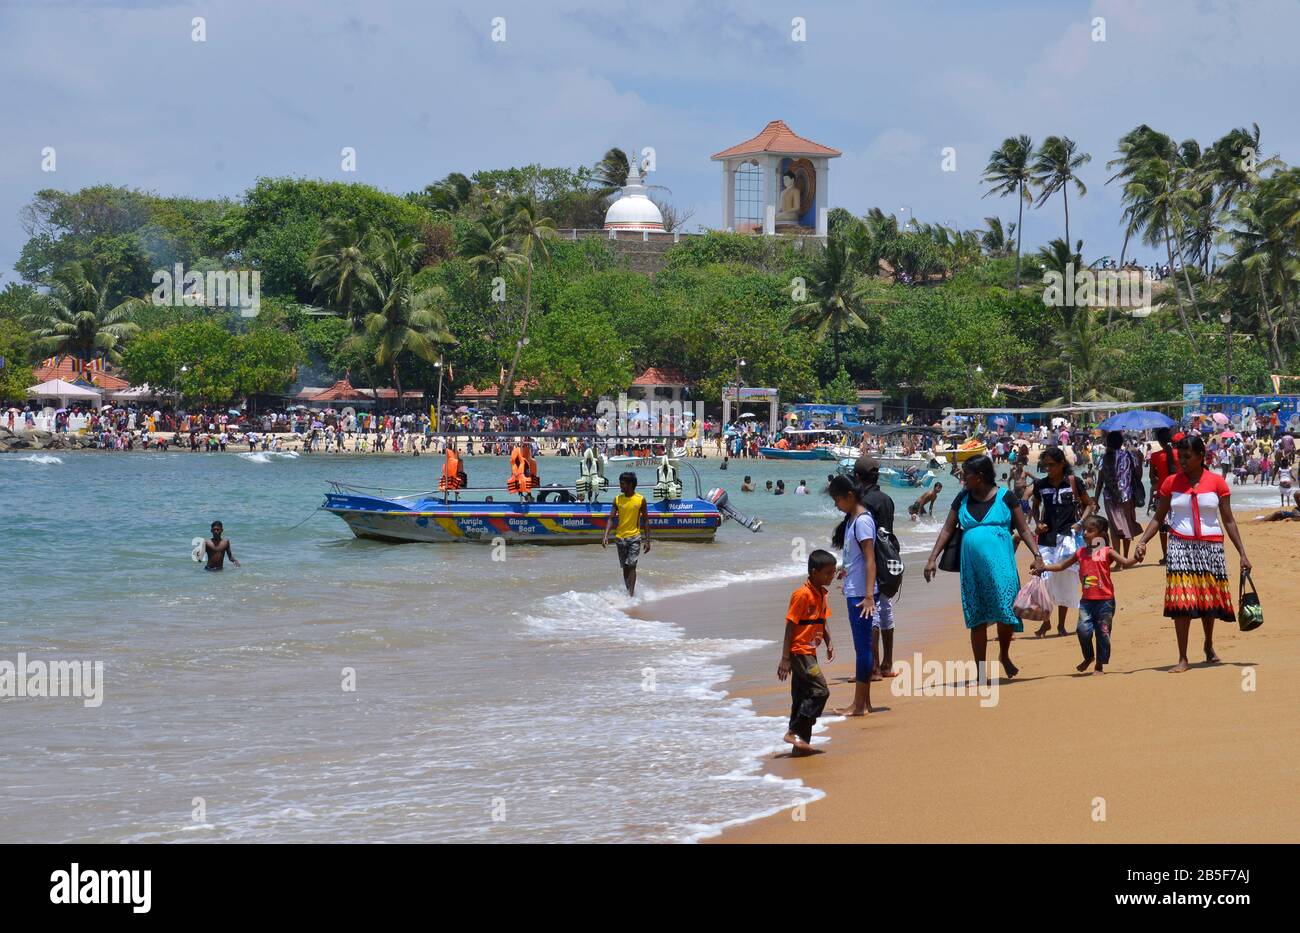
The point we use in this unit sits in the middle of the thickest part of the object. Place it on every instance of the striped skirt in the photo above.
(1196, 580)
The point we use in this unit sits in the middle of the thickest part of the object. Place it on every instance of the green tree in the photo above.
(75, 318)
(1008, 172)
(1056, 166)
(531, 231)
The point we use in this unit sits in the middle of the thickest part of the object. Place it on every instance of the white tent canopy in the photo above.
(63, 391)
(1076, 407)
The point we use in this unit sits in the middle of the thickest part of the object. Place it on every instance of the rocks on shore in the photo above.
(40, 440)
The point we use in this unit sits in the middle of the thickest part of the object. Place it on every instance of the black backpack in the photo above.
(889, 562)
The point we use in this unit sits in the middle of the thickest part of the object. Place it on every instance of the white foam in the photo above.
(40, 458)
(264, 456)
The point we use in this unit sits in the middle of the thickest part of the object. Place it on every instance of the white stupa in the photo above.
(633, 210)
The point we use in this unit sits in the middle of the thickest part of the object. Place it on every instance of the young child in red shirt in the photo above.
(1097, 605)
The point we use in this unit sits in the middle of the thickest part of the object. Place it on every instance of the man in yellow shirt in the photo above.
(632, 520)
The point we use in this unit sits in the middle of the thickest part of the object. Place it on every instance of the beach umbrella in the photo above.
(1229, 434)
(1219, 418)
(748, 414)
(1137, 420)
(1268, 406)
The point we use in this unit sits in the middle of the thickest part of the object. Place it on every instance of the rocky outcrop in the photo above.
(40, 440)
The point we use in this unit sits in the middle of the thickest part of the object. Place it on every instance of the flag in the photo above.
(1277, 384)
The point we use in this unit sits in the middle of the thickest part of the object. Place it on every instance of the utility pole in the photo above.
(1226, 318)
(1071, 368)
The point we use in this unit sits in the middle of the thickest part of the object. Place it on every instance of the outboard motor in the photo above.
(719, 498)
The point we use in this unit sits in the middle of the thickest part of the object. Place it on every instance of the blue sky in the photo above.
(125, 96)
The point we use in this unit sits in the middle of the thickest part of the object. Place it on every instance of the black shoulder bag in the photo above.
(950, 557)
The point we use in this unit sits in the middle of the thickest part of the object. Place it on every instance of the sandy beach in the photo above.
(1132, 755)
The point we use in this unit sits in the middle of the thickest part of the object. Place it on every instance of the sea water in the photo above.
(335, 689)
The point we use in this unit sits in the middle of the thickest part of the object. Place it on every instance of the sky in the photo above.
(124, 95)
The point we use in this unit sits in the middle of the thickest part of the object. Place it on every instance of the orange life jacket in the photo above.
(453, 472)
(523, 471)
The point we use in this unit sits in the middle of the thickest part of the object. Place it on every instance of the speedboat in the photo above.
(805, 445)
(541, 515)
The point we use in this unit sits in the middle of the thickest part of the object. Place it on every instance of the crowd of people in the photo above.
(1076, 539)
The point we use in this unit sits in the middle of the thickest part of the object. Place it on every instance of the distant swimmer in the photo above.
(218, 549)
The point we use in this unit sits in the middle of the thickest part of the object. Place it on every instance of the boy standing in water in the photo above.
(218, 549)
(629, 515)
(806, 626)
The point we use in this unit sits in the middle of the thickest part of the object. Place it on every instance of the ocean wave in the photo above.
(264, 456)
(40, 458)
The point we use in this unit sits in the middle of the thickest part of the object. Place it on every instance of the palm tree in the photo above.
(400, 319)
(532, 232)
(339, 265)
(610, 173)
(1090, 363)
(1008, 171)
(74, 318)
(834, 291)
(1055, 166)
(996, 240)
(1154, 196)
(449, 195)
(1137, 148)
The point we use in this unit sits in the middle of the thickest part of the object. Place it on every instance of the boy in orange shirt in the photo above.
(806, 627)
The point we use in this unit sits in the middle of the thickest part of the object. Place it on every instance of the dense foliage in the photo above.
(475, 278)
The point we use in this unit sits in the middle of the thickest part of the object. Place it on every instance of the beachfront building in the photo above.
(776, 182)
(660, 384)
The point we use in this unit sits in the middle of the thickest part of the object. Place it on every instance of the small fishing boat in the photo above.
(811, 444)
(553, 514)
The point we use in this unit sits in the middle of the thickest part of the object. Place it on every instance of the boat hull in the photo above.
(817, 453)
(435, 521)
(960, 455)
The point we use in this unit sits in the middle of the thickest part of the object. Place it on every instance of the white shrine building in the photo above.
(775, 183)
(633, 210)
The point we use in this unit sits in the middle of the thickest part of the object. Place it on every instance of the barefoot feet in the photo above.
(1180, 667)
(800, 746)
(1082, 666)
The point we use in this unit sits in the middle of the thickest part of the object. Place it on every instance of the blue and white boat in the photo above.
(555, 514)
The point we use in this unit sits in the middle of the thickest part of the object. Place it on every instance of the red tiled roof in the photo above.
(492, 389)
(779, 138)
(341, 391)
(656, 376)
(66, 369)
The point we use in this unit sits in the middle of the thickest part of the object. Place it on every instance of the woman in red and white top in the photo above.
(1196, 503)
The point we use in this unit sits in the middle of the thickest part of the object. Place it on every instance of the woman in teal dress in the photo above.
(989, 580)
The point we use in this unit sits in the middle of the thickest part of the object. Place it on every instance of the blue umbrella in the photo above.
(1138, 420)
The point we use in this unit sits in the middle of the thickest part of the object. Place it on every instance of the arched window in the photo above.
(748, 209)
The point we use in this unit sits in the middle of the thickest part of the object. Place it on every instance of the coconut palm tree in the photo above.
(1055, 166)
(1008, 172)
(449, 195)
(339, 265)
(396, 316)
(996, 239)
(532, 232)
(74, 318)
(1154, 196)
(833, 305)
(1137, 148)
(610, 173)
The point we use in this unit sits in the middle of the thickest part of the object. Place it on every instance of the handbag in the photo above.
(950, 557)
(1250, 614)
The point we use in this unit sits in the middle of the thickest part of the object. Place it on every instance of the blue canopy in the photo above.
(1136, 420)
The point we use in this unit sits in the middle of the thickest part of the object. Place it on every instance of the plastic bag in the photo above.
(1034, 601)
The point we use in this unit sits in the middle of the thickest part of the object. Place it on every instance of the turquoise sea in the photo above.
(335, 689)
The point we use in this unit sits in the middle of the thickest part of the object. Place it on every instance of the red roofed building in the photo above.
(660, 382)
(776, 182)
(68, 368)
